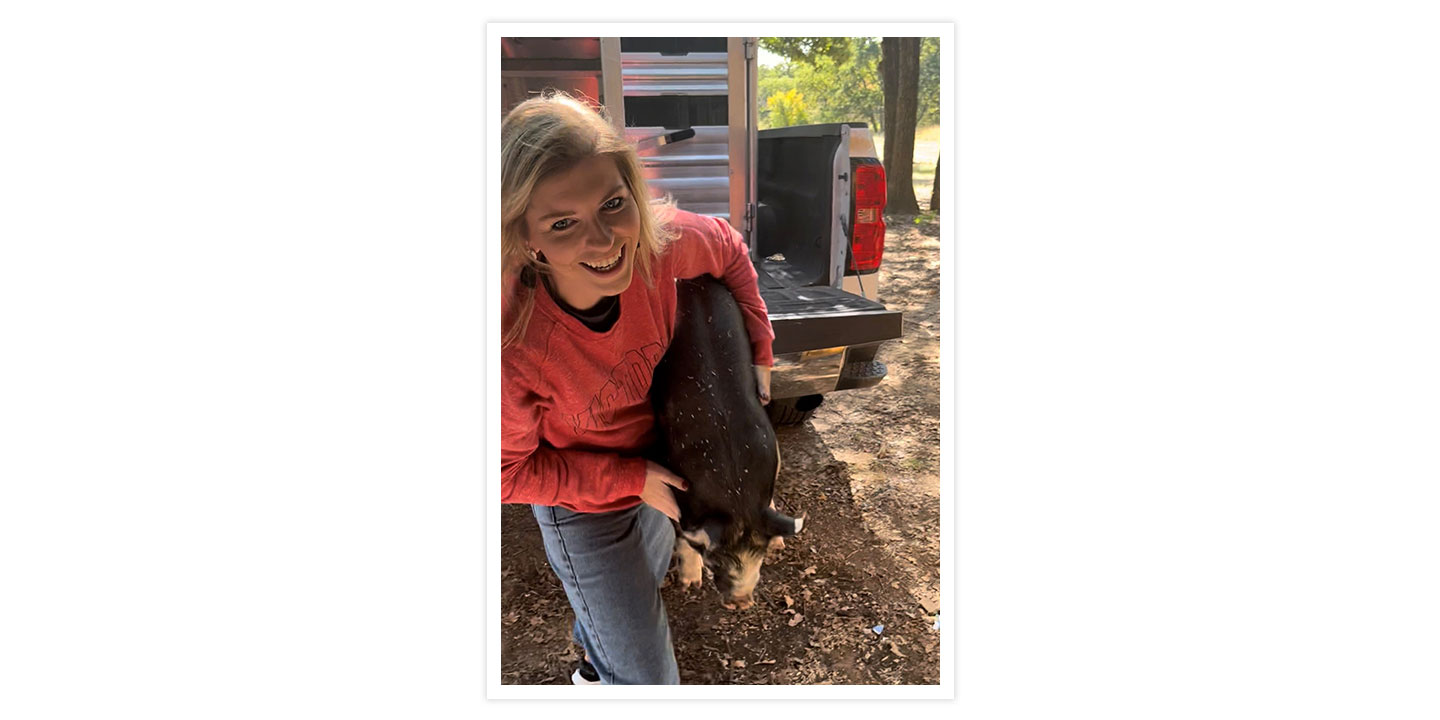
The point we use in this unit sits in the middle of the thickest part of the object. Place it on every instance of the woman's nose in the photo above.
(600, 234)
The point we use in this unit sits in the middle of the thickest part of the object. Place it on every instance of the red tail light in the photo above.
(867, 243)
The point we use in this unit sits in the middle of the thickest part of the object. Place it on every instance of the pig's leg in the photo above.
(690, 564)
(777, 542)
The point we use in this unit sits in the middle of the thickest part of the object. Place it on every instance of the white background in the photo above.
(241, 371)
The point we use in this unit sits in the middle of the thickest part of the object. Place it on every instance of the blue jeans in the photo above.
(611, 565)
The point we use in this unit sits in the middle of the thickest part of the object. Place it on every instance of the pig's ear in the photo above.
(780, 524)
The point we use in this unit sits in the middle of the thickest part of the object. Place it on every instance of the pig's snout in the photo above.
(743, 602)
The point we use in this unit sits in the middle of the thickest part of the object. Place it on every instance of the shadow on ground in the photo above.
(818, 606)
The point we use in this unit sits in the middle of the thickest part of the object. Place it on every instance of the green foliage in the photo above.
(773, 81)
(808, 49)
(929, 113)
(847, 90)
(840, 79)
(787, 108)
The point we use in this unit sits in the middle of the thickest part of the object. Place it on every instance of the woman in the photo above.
(581, 340)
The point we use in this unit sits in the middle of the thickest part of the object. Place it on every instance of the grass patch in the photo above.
(930, 134)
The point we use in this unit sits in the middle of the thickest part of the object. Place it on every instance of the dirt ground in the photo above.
(854, 599)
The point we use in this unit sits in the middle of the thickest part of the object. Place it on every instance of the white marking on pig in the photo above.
(748, 575)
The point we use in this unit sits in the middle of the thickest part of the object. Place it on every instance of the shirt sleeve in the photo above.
(533, 472)
(717, 249)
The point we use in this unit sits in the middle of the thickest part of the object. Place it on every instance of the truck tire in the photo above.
(793, 411)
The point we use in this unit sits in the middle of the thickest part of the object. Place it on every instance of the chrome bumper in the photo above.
(812, 372)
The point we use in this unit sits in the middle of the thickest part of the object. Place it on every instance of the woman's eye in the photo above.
(562, 224)
(614, 203)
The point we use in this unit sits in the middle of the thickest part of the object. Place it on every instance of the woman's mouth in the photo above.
(608, 265)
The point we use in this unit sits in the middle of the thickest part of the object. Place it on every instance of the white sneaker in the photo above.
(585, 674)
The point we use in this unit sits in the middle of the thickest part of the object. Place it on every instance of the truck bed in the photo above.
(811, 318)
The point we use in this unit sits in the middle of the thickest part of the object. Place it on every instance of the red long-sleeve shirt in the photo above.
(576, 407)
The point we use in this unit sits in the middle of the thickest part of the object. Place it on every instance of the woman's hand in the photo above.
(657, 492)
(762, 381)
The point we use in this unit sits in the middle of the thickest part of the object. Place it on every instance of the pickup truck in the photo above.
(808, 199)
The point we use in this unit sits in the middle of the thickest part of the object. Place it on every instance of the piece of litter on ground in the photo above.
(796, 620)
(878, 629)
(937, 623)
(778, 257)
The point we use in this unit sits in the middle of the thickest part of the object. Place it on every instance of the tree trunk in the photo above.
(889, 81)
(935, 189)
(900, 131)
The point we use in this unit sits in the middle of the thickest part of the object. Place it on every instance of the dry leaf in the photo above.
(796, 620)
(808, 571)
(789, 601)
(766, 662)
(739, 663)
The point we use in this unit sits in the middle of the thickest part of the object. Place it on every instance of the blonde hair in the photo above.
(549, 134)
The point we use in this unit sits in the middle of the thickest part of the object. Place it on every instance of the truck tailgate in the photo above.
(811, 318)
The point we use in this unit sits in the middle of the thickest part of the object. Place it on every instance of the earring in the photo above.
(527, 273)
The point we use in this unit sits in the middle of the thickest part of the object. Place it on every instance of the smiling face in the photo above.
(584, 223)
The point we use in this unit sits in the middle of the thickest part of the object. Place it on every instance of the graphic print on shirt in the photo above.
(629, 384)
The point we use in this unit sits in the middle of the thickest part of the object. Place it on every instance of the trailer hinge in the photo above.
(750, 221)
(749, 49)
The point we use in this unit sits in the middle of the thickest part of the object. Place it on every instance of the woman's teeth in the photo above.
(608, 264)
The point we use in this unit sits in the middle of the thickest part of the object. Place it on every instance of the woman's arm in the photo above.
(534, 473)
(538, 474)
(720, 250)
